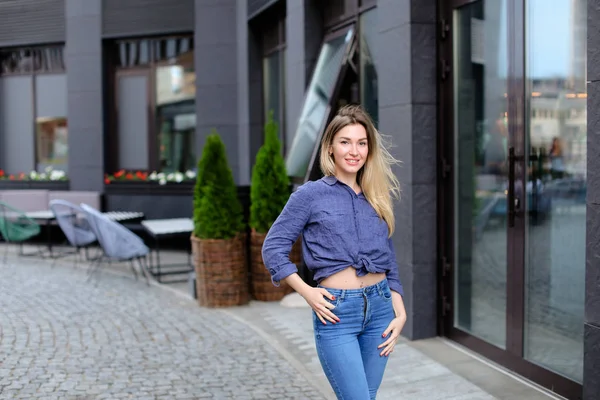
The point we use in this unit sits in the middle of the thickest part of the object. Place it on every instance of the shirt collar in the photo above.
(330, 180)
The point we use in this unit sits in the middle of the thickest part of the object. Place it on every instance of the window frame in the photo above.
(350, 19)
(113, 72)
(313, 169)
(33, 73)
(277, 46)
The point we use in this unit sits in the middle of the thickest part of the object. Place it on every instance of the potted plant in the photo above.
(218, 241)
(269, 192)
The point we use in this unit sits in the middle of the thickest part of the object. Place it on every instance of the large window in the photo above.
(518, 141)
(273, 44)
(345, 73)
(33, 110)
(155, 92)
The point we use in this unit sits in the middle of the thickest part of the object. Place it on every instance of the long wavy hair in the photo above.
(376, 179)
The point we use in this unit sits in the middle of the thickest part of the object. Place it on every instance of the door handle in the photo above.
(511, 200)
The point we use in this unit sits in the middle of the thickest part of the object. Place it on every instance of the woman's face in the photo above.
(350, 149)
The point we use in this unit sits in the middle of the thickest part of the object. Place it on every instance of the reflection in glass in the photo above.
(176, 114)
(318, 97)
(52, 147)
(556, 225)
(368, 71)
(480, 146)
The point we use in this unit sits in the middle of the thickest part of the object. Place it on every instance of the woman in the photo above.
(346, 220)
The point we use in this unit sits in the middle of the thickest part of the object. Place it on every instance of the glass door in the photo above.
(556, 122)
(481, 144)
(513, 165)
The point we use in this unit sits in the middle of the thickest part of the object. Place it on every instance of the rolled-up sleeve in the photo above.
(393, 275)
(283, 234)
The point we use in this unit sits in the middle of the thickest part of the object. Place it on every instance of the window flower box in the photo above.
(50, 179)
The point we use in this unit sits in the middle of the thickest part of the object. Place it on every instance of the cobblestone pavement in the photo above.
(64, 338)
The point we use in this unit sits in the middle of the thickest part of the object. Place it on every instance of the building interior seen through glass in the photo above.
(52, 142)
(167, 64)
(553, 184)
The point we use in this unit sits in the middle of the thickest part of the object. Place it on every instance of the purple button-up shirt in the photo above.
(339, 229)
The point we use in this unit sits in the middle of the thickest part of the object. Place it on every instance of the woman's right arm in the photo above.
(283, 234)
(276, 252)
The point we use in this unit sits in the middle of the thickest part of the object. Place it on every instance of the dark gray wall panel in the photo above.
(295, 82)
(593, 142)
(593, 40)
(591, 374)
(304, 35)
(221, 101)
(592, 278)
(243, 76)
(24, 22)
(591, 369)
(121, 18)
(407, 110)
(83, 58)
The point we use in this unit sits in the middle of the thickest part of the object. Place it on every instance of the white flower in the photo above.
(33, 175)
(162, 181)
(57, 175)
(153, 176)
(190, 174)
(178, 177)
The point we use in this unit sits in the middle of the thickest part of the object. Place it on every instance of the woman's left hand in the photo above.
(392, 333)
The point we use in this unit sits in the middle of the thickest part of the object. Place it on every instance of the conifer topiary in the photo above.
(270, 189)
(217, 210)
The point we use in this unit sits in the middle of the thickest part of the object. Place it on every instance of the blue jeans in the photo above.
(348, 350)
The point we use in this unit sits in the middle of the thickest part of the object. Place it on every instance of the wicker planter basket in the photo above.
(260, 280)
(221, 271)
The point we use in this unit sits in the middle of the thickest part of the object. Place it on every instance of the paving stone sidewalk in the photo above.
(64, 338)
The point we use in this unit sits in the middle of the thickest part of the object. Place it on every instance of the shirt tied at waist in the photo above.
(367, 267)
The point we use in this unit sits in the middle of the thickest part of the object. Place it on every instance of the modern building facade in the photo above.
(487, 103)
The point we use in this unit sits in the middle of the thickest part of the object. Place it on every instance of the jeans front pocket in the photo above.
(386, 293)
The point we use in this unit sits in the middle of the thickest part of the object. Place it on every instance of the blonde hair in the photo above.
(376, 179)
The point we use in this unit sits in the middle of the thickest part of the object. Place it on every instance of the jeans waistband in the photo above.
(377, 288)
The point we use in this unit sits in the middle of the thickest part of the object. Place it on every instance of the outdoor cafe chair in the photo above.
(16, 227)
(72, 221)
(117, 242)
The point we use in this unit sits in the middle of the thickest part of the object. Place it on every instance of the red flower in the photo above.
(129, 176)
(120, 173)
(22, 175)
(1, 173)
(141, 175)
(106, 181)
(11, 177)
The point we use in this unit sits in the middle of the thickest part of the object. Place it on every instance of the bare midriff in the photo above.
(347, 279)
